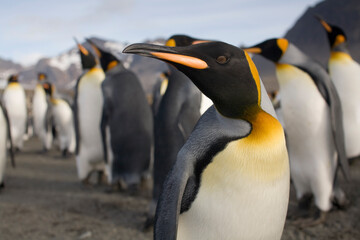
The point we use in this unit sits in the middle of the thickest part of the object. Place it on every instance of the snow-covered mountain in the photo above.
(64, 69)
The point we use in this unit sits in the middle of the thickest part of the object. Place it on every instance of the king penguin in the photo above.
(345, 73)
(126, 124)
(312, 115)
(5, 137)
(14, 101)
(88, 104)
(178, 112)
(62, 115)
(231, 177)
(42, 129)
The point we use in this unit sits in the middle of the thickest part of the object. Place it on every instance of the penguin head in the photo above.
(88, 60)
(224, 73)
(107, 59)
(49, 89)
(272, 49)
(41, 77)
(335, 34)
(13, 78)
(182, 41)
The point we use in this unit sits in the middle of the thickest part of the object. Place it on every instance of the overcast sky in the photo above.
(37, 28)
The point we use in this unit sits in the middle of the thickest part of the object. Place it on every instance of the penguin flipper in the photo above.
(209, 137)
(48, 117)
(103, 124)
(11, 149)
(76, 117)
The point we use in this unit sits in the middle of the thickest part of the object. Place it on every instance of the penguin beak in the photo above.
(324, 24)
(168, 54)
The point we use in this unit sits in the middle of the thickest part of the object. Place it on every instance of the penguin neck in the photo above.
(114, 66)
(340, 48)
(92, 70)
(247, 112)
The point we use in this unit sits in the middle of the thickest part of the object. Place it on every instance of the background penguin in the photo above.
(62, 116)
(88, 104)
(14, 101)
(178, 112)
(126, 125)
(5, 136)
(345, 73)
(159, 90)
(42, 129)
(312, 115)
(231, 178)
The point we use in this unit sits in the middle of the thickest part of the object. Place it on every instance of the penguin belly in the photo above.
(243, 191)
(90, 101)
(3, 148)
(345, 73)
(39, 113)
(309, 136)
(15, 103)
(63, 119)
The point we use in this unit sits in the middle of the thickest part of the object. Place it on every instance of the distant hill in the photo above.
(310, 37)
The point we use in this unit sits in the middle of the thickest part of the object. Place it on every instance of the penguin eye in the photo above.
(222, 59)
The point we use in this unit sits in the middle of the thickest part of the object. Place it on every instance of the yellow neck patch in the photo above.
(261, 156)
(339, 56)
(255, 74)
(13, 84)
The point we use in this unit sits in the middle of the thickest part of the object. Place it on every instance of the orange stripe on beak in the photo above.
(326, 26)
(83, 50)
(255, 50)
(199, 41)
(182, 59)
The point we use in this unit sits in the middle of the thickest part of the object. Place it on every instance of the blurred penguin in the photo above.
(14, 101)
(126, 125)
(178, 112)
(345, 73)
(40, 105)
(314, 128)
(5, 137)
(159, 90)
(88, 105)
(61, 114)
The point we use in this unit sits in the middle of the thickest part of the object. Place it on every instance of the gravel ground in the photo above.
(43, 199)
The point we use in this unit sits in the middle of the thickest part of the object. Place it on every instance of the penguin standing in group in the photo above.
(61, 115)
(345, 73)
(40, 105)
(312, 115)
(5, 137)
(231, 178)
(126, 124)
(14, 101)
(159, 90)
(178, 112)
(88, 104)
